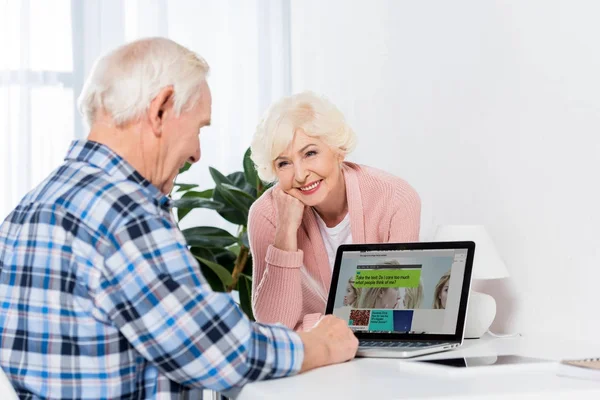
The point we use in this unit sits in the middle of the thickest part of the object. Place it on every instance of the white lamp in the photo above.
(487, 264)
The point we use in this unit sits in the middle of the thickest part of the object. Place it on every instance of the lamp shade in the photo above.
(487, 263)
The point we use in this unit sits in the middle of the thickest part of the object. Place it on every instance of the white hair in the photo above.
(124, 82)
(314, 114)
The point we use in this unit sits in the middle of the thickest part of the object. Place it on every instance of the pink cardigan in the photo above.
(292, 287)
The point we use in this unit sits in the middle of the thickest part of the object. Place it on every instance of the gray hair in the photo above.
(317, 117)
(124, 81)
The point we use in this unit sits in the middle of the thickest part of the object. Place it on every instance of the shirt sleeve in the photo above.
(153, 291)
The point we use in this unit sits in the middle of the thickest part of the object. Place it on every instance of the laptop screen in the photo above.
(412, 291)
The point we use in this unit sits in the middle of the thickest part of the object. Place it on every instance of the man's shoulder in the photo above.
(93, 197)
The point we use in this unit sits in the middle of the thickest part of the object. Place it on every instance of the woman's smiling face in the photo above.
(308, 169)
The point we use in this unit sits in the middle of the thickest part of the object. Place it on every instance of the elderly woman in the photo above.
(319, 202)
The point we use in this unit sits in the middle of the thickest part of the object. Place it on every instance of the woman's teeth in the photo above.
(311, 187)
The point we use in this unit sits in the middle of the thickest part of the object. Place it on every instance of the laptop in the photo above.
(403, 299)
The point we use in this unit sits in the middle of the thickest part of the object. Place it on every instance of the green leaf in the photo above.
(229, 213)
(235, 249)
(183, 209)
(239, 180)
(189, 203)
(208, 236)
(250, 170)
(181, 213)
(185, 167)
(236, 179)
(244, 195)
(235, 203)
(235, 197)
(182, 187)
(205, 194)
(226, 258)
(211, 277)
(245, 288)
(218, 177)
(248, 267)
(221, 271)
(244, 239)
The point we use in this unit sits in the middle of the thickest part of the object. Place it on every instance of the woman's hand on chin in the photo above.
(290, 211)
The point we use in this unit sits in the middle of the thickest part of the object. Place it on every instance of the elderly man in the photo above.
(100, 297)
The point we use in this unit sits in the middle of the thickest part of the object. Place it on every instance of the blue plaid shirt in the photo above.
(101, 297)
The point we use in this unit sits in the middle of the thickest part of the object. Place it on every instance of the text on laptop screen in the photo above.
(401, 291)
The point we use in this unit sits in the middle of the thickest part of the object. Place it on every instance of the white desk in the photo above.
(374, 379)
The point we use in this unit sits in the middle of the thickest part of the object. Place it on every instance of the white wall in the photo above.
(491, 109)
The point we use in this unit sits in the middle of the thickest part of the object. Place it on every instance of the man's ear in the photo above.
(162, 103)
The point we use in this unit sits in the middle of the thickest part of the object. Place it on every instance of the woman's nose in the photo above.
(300, 174)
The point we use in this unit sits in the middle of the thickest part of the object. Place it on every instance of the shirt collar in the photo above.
(103, 157)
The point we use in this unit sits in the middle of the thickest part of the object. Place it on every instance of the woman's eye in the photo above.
(311, 153)
(282, 164)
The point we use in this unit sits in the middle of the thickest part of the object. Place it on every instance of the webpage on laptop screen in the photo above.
(407, 291)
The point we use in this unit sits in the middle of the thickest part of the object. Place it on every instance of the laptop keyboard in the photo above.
(396, 344)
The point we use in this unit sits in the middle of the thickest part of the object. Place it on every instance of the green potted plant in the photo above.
(225, 259)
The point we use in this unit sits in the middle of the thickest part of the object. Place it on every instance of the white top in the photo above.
(333, 237)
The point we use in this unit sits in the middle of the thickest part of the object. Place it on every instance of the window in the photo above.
(49, 47)
(37, 100)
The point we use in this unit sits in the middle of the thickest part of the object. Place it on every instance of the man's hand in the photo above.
(290, 211)
(329, 342)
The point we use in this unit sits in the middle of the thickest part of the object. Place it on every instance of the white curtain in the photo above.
(48, 48)
(36, 93)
